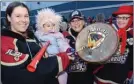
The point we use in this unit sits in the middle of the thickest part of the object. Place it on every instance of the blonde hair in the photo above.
(48, 15)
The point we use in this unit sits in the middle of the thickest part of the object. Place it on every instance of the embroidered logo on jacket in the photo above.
(117, 58)
(14, 53)
(78, 65)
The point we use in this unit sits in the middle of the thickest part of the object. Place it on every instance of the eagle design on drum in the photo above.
(95, 39)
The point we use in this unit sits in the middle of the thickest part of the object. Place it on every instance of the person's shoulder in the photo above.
(65, 33)
(130, 32)
(6, 35)
(9, 37)
(3, 31)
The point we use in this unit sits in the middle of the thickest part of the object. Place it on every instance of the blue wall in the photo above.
(81, 5)
(86, 4)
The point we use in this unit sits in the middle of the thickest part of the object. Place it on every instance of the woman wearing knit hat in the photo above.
(48, 24)
(118, 69)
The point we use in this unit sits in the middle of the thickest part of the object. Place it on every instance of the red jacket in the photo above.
(17, 52)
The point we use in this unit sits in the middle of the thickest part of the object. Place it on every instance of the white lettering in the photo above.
(13, 53)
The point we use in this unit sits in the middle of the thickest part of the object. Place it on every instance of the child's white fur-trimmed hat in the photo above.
(48, 15)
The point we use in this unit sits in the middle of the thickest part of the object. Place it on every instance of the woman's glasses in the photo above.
(123, 18)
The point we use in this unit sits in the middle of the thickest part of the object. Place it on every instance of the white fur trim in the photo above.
(48, 15)
(30, 40)
(60, 63)
(14, 42)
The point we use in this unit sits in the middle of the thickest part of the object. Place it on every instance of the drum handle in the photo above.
(81, 49)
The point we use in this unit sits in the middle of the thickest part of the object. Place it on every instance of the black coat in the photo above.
(14, 71)
(118, 66)
(79, 71)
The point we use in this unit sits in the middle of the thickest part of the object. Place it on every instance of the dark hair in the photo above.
(11, 7)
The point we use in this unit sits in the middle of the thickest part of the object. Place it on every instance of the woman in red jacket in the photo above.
(117, 68)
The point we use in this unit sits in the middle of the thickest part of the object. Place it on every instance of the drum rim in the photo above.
(114, 50)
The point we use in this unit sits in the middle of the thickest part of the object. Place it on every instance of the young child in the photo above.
(48, 24)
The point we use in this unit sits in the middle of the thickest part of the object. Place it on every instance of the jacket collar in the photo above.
(9, 33)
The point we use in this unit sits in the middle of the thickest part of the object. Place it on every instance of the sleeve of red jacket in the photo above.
(10, 56)
(14, 63)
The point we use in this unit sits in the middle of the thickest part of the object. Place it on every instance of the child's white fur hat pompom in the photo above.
(48, 15)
